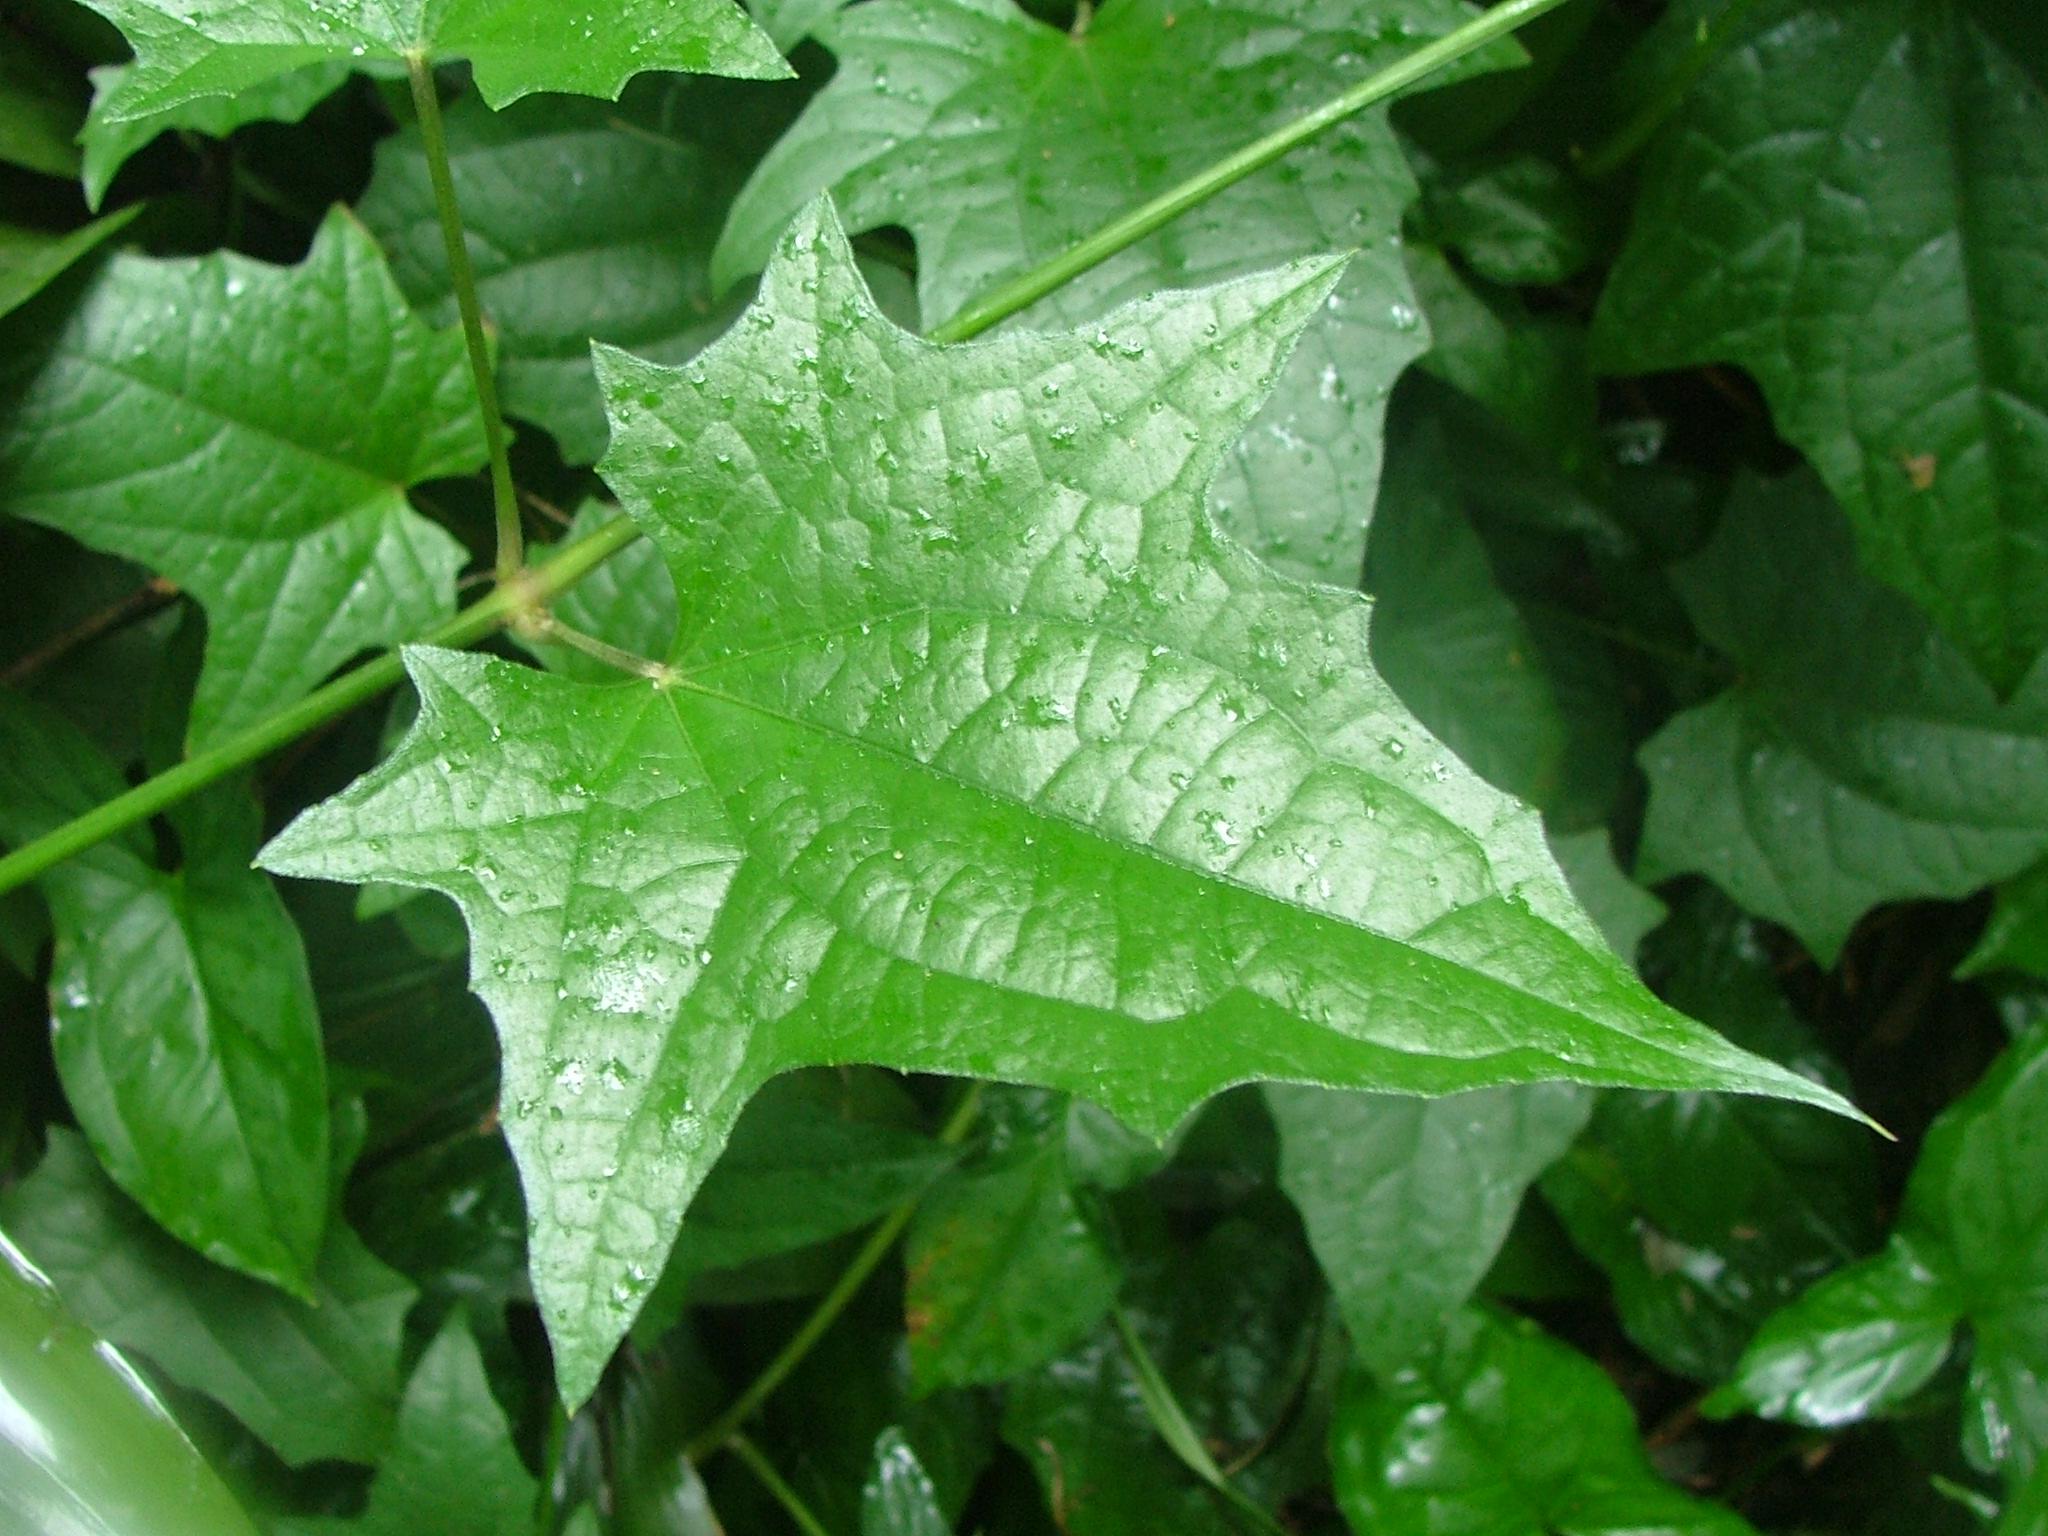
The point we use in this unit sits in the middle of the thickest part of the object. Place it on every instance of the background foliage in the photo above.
(1545, 567)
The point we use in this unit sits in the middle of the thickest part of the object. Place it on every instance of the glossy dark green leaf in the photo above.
(32, 259)
(1709, 1213)
(1624, 911)
(86, 1449)
(452, 1468)
(1858, 759)
(449, 1216)
(188, 49)
(37, 116)
(2016, 935)
(249, 432)
(584, 221)
(1505, 1432)
(1015, 768)
(1081, 1424)
(109, 143)
(1968, 1249)
(1006, 1268)
(1520, 220)
(316, 1381)
(899, 1499)
(998, 140)
(182, 1015)
(1846, 206)
(1407, 1201)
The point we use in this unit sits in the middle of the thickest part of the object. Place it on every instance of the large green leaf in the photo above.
(1505, 1432)
(2016, 935)
(1774, 1199)
(452, 1468)
(249, 431)
(982, 753)
(583, 221)
(1969, 1248)
(1858, 759)
(186, 49)
(318, 1382)
(998, 141)
(1849, 205)
(182, 1015)
(1407, 1201)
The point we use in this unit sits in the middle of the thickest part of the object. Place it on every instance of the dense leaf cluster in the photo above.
(1253, 903)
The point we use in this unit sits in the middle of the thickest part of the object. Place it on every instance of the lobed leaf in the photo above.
(249, 432)
(982, 753)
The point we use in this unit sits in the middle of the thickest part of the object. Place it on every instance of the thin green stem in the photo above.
(426, 102)
(999, 304)
(532, 589)
(1027, 288)
(1626, 141)
(764, 1472)
(726, 1426)
(546, 627)
(1171, 1421)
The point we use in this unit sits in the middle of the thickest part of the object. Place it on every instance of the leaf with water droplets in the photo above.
(999, 141)
(188, 49)
(981, 752)
(249, 431)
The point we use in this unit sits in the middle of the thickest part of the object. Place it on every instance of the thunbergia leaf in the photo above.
(182, 1014)
(983, 753)
(452, 1468)
(1858, 759)
(1967, 1249)
(899, 1499)
(1849, 205)
(186, 49)
(1512, 1434)
(1406, 1201)
(998, 141)
(318, 1381)
(584, 221)
(249, 431)
(2016, 934)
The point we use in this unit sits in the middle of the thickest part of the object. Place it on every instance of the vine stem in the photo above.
(530, 590)
(426, 101)
(579, 557)
(1027, 288)
(1618, 150)
(723, 1431)
(778, 1487)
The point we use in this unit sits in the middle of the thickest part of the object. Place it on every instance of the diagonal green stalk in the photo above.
(426, 101)
(754, 1461)
(1027, 288)
(1598, 164)
(520, 591)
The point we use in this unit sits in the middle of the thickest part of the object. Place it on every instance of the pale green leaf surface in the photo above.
(1006, 1269)
(182, 1015)
(249, 431)
(1407, 1201)
(32, 259)
(186, 49)
(898, 1498)
(1504, 1432)
(1969, 1248)
(584, 220)
(317, 1382)
(998, 141)
(985, 754)
(109, 143)
(452, 1468)
(1859, 759)
(1624, 912)
(1850, 206)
